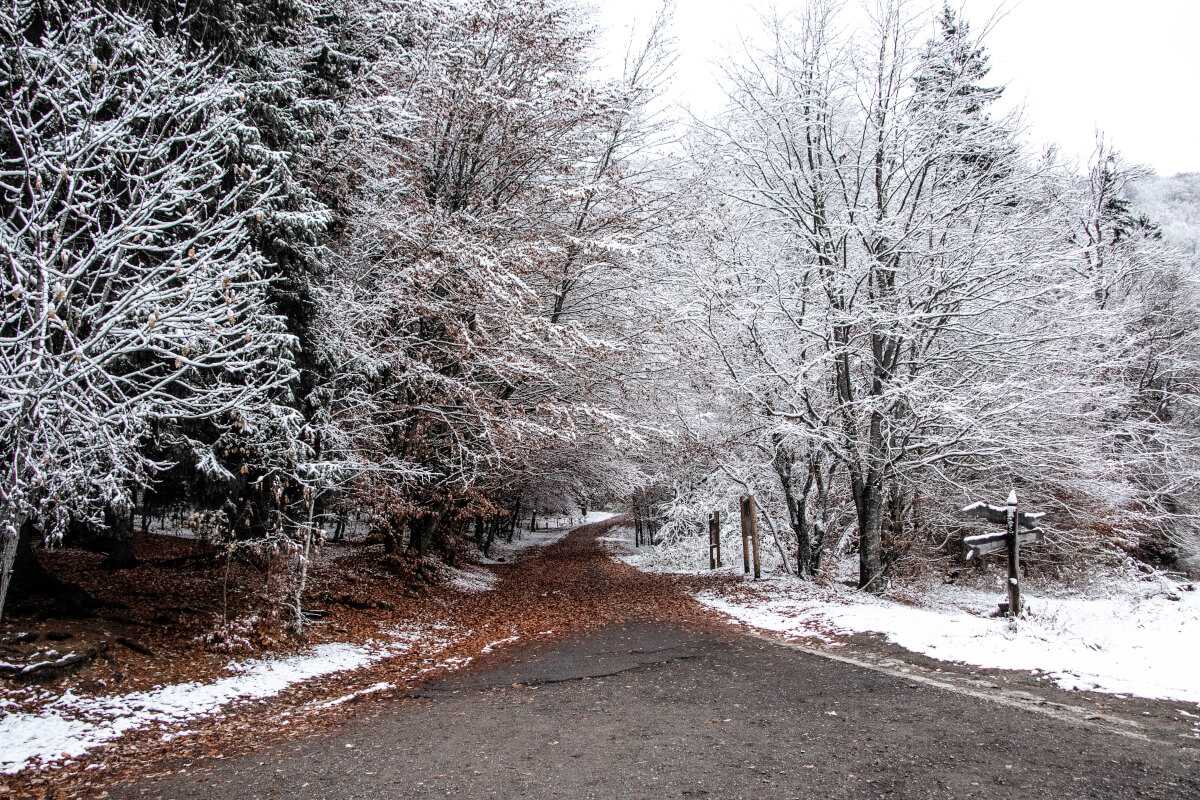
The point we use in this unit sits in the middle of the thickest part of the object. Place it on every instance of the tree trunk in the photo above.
(820, 527)
(393, 535)
(145, 512)
(417, 539)
(423, 531)
(119, 523)
(30, 579)
(870, 549)
(797, 503)
(10, 539)
(513, 518)
(493, 529)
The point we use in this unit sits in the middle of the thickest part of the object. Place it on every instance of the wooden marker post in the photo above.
(1011, 540)
(1014, 557)
(754, 537)
(714, 540)
(750, 535)
(745, 536)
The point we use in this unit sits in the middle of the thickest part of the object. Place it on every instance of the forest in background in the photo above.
(274, 265)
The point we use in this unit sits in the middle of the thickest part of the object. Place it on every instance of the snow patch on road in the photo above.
(1131, 640)
(490, 647)
(375, 687)
(67, 726)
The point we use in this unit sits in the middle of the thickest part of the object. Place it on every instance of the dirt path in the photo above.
(639, 693)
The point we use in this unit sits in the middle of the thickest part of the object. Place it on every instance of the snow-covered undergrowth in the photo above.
(503, 551)
(689, 554)
(69, 725)
(1120, 634)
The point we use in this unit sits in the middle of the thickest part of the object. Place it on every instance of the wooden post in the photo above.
(716, 527)
(754, 535)
(1014, 558)
(745, 535)
(717, 519)
(712, 541)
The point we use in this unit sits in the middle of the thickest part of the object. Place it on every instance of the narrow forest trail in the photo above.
(566, 588)
(580, 676)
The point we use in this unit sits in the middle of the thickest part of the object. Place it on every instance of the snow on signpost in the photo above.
(1011, 540)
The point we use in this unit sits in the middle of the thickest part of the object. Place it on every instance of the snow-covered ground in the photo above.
(1121, 635)
(598, 516)
(1121, 644)
(472, 578)
(68, 725)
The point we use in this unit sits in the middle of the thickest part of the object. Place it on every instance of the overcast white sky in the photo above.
(1130, 69)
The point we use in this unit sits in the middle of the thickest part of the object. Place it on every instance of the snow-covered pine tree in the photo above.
(283, 58)
(133, 301)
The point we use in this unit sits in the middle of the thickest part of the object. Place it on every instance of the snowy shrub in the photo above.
(238, 635)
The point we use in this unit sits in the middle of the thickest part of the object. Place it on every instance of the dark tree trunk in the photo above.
(393, 535)
(145, 512)
(823, 478)
(493, 530)
(416, 536)
(870, 549)
(119, 524)
(443, 540)
(422, 532)
(797, 503)
(514, 518)
(870, 546)
(31, 579)
(479, 531)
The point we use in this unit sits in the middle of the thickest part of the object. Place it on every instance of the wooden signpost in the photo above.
(749, 535)
(1011, 540)
(714, 540)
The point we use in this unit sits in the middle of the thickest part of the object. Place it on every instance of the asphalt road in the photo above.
(645, 700)
(646, 710)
